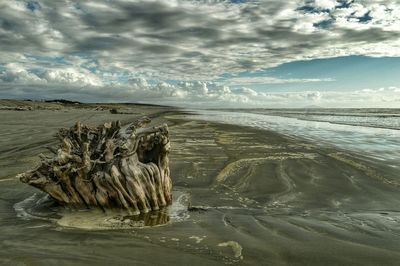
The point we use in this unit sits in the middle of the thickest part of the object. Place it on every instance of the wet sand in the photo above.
(256, 198)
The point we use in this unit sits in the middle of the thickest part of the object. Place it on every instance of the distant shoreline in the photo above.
(60, 104)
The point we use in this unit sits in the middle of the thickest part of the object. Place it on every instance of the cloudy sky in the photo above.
(204, 53)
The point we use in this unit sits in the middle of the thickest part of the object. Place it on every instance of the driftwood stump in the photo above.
(109, 166)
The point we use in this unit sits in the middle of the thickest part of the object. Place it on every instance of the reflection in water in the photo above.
(41, 207)
(99, 220)
(379, 143)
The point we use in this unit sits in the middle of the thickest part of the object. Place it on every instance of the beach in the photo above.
(243, 195)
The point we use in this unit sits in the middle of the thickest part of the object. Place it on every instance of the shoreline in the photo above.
(276, 198)
(178, 116)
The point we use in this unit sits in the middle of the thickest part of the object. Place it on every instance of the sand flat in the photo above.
(282, 200)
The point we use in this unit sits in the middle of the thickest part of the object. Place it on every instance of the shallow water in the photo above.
(379, 143)
(369, 117)
(42, 208)
(256, 197)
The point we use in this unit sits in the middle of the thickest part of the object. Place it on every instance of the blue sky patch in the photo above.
(344, 73)
(324, 24)
(33, 5)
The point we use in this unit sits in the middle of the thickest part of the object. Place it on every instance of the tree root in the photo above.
(108, 166)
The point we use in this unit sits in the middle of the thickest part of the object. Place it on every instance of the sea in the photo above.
(370, 132)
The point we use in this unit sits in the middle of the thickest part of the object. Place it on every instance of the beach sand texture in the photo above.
(256, 198)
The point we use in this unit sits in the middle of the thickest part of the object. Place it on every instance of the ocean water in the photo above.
(369, 117)
(371, 133)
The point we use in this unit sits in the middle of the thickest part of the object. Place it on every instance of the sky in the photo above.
(203, 53)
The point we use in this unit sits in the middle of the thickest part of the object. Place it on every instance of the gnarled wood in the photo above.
(110, 166)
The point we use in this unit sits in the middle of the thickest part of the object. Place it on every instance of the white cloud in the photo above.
(72, 76)
(314, 96)
(17, 73)
(246, 91)
(14, 72)
(128, 49)
(325, 4)
(209, 94)
(198, 40)
(271, 80)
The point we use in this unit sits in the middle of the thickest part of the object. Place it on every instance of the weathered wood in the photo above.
(109, 166)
